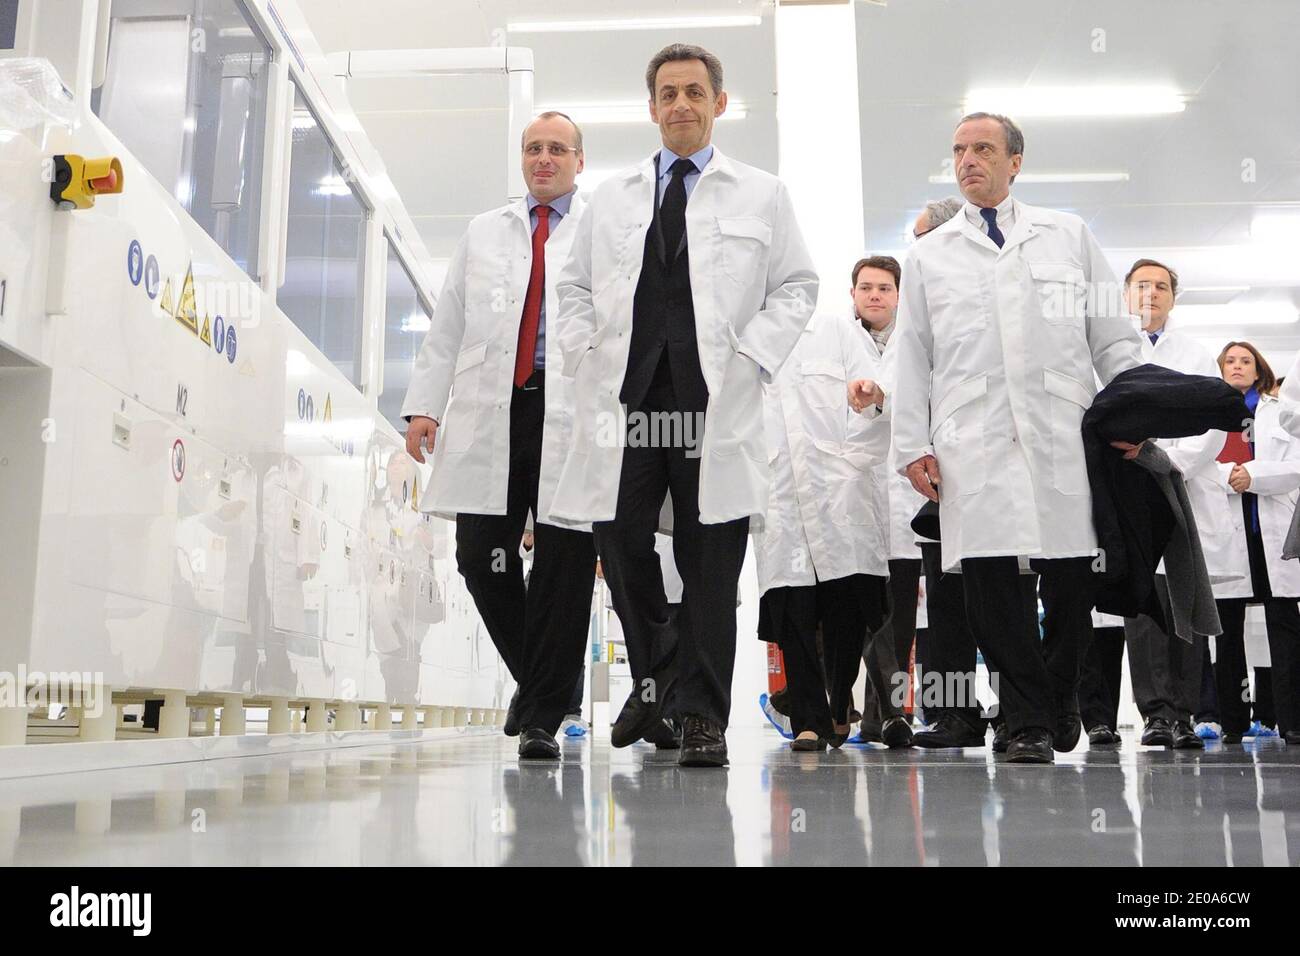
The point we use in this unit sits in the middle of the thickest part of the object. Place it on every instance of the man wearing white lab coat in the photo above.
(1166, 670)
(500, 441)
(821, 552)
(1007, 314)
(889, 647)
(688, 285)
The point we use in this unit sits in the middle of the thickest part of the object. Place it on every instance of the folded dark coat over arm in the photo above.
(1133, 502)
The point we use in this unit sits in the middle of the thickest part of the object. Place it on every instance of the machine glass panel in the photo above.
(406, 319)
(186, 91)
(324, 267)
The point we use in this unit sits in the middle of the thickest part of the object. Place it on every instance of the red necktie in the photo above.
(533, 300)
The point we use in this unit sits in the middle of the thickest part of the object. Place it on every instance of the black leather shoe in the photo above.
(1184, 738)
(1102, 736)
(664, 734)
(1158, 732)
(635, 720)
(896, 733)
(537, 744)
(703, 743)
(1030, 745)
(1230, 738)
(948, 731)
(808, 744)
(1292, 738)
(1000, 737)
(1066, 735)
(511, 726)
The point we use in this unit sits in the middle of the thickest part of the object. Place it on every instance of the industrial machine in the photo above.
(205, 499)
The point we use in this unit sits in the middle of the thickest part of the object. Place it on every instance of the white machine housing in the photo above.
(204, 509)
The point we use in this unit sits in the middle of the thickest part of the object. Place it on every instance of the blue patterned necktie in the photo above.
(991, 217)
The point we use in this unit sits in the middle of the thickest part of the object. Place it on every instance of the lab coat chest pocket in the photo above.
(1062, 292)
(746, 242)
(823, 384)
(1068, 399)
(462, 415)
(958, 436)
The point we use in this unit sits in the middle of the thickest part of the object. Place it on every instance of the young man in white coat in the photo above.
(821, 553)
(1165, 669)
(497, 447)
(888, 647)
(688, 286)
(1006, 315)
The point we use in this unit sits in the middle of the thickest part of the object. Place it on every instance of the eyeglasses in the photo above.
(554, 150)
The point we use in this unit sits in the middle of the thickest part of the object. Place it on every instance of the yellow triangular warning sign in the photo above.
(186, 313)
(329, 409)
(166, 303)
(206, 335)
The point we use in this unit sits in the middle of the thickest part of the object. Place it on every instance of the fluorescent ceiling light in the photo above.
(638, 112)
(302, 119)
(1276, 225)
(332, 185)
(416, 322)
(1249, 313)
(1049, 101)
(638, 23)
(1050, 178)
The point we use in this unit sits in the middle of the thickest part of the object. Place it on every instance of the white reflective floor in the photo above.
(467, 801)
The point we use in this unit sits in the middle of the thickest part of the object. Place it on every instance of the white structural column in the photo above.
(819, 138)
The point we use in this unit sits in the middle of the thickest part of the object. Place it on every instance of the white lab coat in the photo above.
(1275, 479)
(754, 288)
(996, 356)
(1289, 399)
(895, 495)
(469, 352)
(822, 519)
(1196, 456)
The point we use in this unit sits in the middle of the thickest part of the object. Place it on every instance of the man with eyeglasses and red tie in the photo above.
(487, 400)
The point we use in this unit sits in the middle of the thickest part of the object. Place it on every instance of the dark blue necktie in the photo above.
(991, 217)
(1153, 336)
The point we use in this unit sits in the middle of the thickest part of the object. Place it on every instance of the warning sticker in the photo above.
(167, 303)
(206, 335)
(178, 459)
(187, 313)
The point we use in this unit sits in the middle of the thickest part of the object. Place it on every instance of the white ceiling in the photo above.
(444, 140)
(1185, 200)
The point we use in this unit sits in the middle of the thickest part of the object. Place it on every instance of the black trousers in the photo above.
(1100, 675)
(539, 631)
(889, 646)
(1166, 670)
(844, 608)
(951, 655)
(1036, 681)
(708, 557)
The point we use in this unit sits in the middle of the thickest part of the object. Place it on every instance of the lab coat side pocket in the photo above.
(462, 414)
(1068, 399)
(958, 436)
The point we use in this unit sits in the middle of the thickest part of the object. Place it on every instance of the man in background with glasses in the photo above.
(482, 401)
